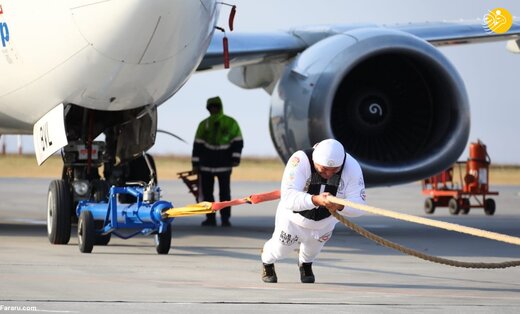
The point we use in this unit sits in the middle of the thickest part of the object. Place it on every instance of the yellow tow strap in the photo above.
(189, 210)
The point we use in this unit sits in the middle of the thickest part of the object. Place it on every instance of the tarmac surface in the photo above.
(218, 270)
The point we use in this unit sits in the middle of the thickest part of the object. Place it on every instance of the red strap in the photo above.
(264, 197)
(219, 205)
(252, 199)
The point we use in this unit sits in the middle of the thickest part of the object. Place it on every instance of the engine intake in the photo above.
(393, 100)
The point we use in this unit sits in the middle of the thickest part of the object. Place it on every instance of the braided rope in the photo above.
(381, 241)
(429, 222)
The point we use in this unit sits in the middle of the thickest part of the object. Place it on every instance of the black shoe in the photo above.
(268, 273)
(209, 223)
(226, 223)
(306, 275)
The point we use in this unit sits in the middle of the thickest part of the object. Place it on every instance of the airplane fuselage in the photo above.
(105, 55)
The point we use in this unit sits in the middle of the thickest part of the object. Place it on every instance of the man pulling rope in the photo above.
(313, 201)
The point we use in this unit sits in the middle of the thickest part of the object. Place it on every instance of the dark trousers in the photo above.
(207, 183)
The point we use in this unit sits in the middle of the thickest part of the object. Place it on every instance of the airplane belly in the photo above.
(129, 53)
(141, 31)
(153, 49)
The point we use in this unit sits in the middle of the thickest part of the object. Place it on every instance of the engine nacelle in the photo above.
(394, 101)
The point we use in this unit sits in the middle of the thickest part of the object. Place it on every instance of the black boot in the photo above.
(209, 222)
(306, 275)
(225, 222)
(268, 273)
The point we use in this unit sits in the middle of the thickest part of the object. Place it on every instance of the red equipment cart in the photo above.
(444, 191)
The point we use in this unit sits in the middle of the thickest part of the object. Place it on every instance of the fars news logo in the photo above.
(497, 21)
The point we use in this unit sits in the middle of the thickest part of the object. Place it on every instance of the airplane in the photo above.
(72, 70)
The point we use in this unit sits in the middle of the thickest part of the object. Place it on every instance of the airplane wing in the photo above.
(386, 92)
(258, 47)
(251, 48)
(442, 34)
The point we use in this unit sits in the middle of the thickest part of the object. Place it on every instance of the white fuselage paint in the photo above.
(99, 54)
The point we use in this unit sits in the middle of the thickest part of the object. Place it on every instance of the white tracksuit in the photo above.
(292, 228)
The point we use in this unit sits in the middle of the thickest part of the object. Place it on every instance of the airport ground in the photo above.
(217, 270)
(168, 166)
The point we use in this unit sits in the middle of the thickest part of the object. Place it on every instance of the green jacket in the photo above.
(218, 144)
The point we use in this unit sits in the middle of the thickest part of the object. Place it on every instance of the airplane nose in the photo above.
(137, 31)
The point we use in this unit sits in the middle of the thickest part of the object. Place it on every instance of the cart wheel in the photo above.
(453, 205)
(86, 232)
(465, 206)
(163, 240)
(101, 239)
(429, 206)
(100, 193)
(489, 206)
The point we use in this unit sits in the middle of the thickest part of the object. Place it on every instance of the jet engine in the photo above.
(394, 101)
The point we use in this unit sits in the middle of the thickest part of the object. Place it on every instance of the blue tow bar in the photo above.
(98, 220)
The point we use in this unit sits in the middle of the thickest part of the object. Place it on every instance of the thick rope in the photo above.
(429, 222)
(369, 235)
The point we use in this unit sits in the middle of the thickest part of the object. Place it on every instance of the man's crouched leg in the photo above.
(269, 274)
(306, 274)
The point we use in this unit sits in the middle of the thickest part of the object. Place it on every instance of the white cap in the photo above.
(328, 153)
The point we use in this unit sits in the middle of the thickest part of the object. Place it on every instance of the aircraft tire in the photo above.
(163, 241)
(59, 204)
(86, 232)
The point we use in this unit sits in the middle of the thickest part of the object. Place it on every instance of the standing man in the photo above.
(303, 214)
(216, 149)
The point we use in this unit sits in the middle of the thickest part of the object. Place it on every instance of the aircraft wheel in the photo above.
(453, 205)
(465, 206)
(59, 206)
(429, 206)
(163, 240)
(489, 206)
(86, 232)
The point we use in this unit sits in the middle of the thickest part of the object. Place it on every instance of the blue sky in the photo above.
(489, 71)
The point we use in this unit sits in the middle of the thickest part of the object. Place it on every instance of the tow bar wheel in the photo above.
(86, 232)
(100, 194)
(163, 240)
(58, 212)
